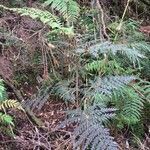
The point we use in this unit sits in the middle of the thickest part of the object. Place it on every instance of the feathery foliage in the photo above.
(146, 89)
(64, 91)
(115, 91)
(10, 104)
(107, 85)
(91, 131)
(129, 105)
(130, 51)
(102, 86)
(5, 104)
(143, 88)
(6, 119)
(106, 67)
(68, 8)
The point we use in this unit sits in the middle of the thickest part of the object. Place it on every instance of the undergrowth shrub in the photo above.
(91, 131)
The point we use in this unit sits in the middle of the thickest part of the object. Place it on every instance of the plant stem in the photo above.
(121, 21)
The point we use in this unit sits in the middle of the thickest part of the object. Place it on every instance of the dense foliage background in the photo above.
(74, 74)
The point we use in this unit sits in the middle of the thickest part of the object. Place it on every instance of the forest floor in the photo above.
(28, 136)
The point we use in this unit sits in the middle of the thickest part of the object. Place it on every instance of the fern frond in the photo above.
(130, 51)
(141, 46)
(129, 104)
(147, 92)
(10, 104)
(144, 88)
(62, 30)
(68, 8)
(105, 67)
(97, 89)
(95, 65)
(90, 131)
(106, 85)
(65, 92)
(6, 119)
(73, 10)
(40, 98)
(44, 16)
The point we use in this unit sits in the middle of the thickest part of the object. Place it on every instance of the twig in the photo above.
(102, 19)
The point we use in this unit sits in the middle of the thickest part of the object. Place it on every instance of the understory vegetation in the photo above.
(74, 74)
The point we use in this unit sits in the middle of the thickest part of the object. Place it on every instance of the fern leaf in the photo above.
(65, 92)
(130, 51)
(73, 10)
(105, 142)
(129, 104)
(96, 65)
(144, 88)
(90, 131)
(10, 104)
(142, 46)
(60, 5)
(107, 84)
(68, 8)
(6, 119)
(105, 67)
